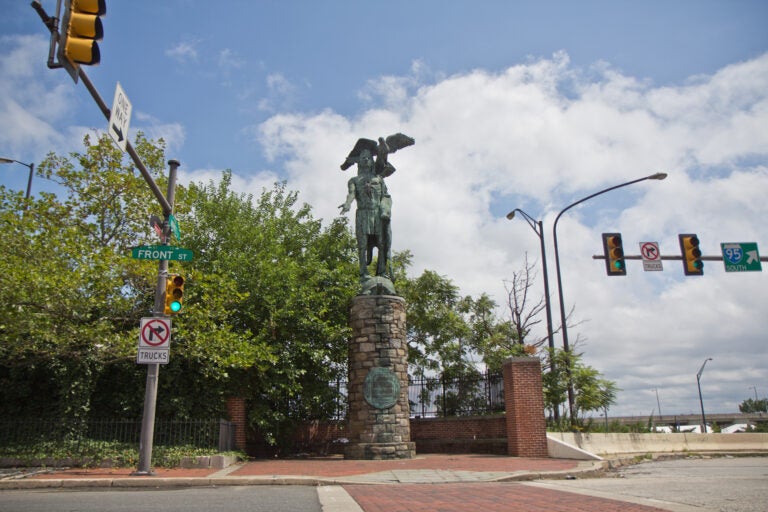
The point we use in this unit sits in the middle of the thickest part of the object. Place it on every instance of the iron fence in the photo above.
(434, 396)
(36, 435)
(467, 396)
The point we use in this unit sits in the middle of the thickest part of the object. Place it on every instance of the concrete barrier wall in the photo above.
(607, 445)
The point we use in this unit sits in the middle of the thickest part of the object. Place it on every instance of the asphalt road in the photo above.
(257, 498)
(723, 484)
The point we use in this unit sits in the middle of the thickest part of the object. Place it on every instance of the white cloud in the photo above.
(172, 133)
(32, 104)
(544, 135)
(229, 60)
(280, 93)
(183, 51)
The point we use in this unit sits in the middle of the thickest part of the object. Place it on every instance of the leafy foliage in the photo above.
(264, 311)
(285, 284)
(749, 405)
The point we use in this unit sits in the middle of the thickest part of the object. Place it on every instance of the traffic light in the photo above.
(174, 294)
(689, 246)
(80, 29)
(614, 254)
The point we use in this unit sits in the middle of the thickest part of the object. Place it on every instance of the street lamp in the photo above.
(564, 328)
(538, 228)
(701, 402)
(31, 172)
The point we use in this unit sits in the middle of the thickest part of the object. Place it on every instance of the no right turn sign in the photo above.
(651, 256)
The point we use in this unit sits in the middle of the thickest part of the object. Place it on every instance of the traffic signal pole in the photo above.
(153, 369)
(668, 257)
(165, 204)
(52, 24)
(166, 201)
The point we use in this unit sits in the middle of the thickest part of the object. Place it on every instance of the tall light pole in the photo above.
(538, 227)
(701, 401)
(31, 172)
(563, 326)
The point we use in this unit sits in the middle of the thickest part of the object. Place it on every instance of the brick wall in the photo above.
(458, 434)
(238, 415)
(459, 427)
(524, 397)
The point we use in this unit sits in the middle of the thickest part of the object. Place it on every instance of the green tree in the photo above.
(70, 298)
(591, 391)
(264, 312)
(286, 286)
(438, 335)
(750, 405)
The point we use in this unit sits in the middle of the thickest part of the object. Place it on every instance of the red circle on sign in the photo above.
(155, 333)
(650, 251)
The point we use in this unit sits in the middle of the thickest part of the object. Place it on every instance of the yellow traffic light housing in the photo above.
(614, 254)
(692, 263)
(80, 29)
(174, 294)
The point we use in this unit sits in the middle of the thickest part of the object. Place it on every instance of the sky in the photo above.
(513, 104)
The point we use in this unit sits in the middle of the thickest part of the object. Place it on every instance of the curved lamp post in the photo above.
(31, 172)
(701, 401)
(564, 328)
(538, 227)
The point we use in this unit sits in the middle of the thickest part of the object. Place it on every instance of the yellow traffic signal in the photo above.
(80, 29)
(174, 294)
(614, 254)
(689, 246)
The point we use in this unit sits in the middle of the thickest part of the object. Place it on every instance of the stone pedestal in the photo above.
(379, 424)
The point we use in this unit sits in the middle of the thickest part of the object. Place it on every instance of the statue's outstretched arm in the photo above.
(350, 197)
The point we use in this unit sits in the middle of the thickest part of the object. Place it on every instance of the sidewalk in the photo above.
(423, 469)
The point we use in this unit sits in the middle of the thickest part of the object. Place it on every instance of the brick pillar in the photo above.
(238, 416)
(379, 412)
(524, 400)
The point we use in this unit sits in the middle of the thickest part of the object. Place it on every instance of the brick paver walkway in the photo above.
(484, 497)
(338, 467)
(432, 467)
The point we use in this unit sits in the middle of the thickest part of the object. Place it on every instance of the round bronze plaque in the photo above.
(381, 388)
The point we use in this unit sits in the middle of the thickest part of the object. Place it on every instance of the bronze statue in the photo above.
(374, 208)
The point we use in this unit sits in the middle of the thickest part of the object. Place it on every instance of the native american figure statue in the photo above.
(374, 208)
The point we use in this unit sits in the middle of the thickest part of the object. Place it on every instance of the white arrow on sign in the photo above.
(120, 118)
(752, 257)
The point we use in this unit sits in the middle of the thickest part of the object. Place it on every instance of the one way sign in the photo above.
(120, 118)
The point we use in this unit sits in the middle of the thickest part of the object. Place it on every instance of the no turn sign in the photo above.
(651, 256)
(154, 341)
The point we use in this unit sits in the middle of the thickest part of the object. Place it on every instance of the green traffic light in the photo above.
(175, 306)
(618, 265)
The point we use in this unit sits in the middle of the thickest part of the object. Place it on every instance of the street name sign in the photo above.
(174, 225)
(154, 340)
(161, 252)
(651, 256)
(120, 118)
(741, 257)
